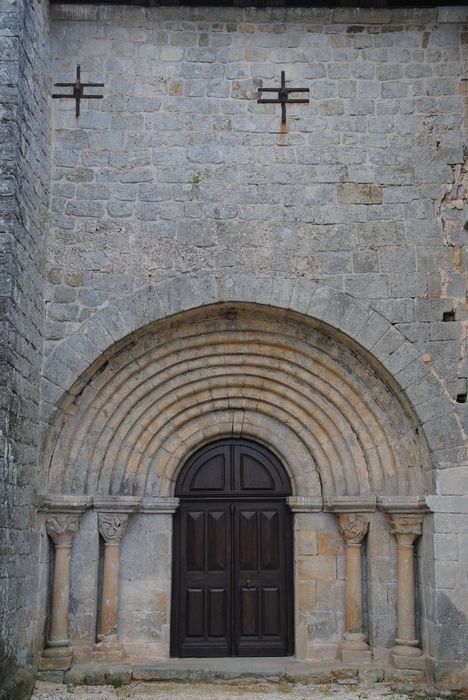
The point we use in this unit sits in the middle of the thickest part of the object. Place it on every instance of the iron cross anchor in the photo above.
(283, 96)
(78, 91)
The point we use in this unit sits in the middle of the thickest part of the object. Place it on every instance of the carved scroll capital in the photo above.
(406, 527)
(62, 527)
(112, 526)
(353, 527)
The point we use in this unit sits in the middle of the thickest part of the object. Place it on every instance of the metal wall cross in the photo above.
(283, 96)
(78, 91)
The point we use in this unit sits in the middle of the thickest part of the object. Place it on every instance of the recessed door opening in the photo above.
(232, 582)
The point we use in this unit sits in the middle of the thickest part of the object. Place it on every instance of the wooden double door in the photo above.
(232, 554)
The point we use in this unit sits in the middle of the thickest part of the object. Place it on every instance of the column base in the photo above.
(108, 648)
(56, 659)
(407, 656)
(354, 649)
(406, 677)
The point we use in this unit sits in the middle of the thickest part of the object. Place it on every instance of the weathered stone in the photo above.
(95, 677)
(370, 676)
(119, 675)
(355, 193)
(51, 676)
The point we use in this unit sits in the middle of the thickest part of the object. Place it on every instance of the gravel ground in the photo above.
(221, 691)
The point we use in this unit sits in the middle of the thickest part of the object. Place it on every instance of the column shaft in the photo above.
(110, 590)
(353, 612)
(58, 635)
(112, 527)
(405, 598)
(61, 528)
(407, 657)
(406, 528)
(354, 648)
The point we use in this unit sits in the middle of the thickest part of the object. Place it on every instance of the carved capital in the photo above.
(353, 527)
(61, 528)
(406, 527)
(112, 526)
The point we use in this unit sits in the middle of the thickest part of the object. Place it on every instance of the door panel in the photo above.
(232, 555)
(217, 612)
(216, 541)
(269, 540)
(195, 541)
(253, 475)
(195, 612)
(204, 599)
(247, 538)
(249, 612)
(260, 579)
(271, 604)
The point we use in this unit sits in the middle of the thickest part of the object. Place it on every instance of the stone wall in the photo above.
(178, 171)
(24, 183)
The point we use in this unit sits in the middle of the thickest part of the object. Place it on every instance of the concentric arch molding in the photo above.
(351, 323)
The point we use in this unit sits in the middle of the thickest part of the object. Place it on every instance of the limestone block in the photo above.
(328, 593)
(322, 626)
(47, 677)
(320, 567)
(329, 544)
(412, 663)
(306, 598)
(409, 678)
(350, 656)
(306, 543)
(118, 674)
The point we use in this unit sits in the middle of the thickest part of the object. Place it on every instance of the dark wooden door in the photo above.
(232, 592)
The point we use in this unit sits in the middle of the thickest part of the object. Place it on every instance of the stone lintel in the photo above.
(159, 505)
(403, 504)
(63, 504)
(109, 504)
(117, 504)
(305, 504)
(351, 504)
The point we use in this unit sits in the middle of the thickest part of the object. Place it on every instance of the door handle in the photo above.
(248, 583)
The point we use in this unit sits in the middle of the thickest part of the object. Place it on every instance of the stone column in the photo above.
(61, 528)
(354, 648)
(406, 652)
(112, 527)
(352, 512)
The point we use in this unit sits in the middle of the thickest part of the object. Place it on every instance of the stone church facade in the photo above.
(234, 370)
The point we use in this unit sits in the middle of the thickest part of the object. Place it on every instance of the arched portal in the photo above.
(232, 561)
(320, 405)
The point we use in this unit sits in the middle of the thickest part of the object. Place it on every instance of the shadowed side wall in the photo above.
(24, 181)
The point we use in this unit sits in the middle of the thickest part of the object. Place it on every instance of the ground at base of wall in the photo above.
(233, 690)
(18, 685)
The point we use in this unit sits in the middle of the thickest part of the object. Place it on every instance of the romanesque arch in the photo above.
(237, 370)
(74, 362)
(323, 381)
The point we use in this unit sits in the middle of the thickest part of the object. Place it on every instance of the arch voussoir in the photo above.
(180, 375)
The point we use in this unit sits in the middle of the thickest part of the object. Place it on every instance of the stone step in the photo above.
(219, 671)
